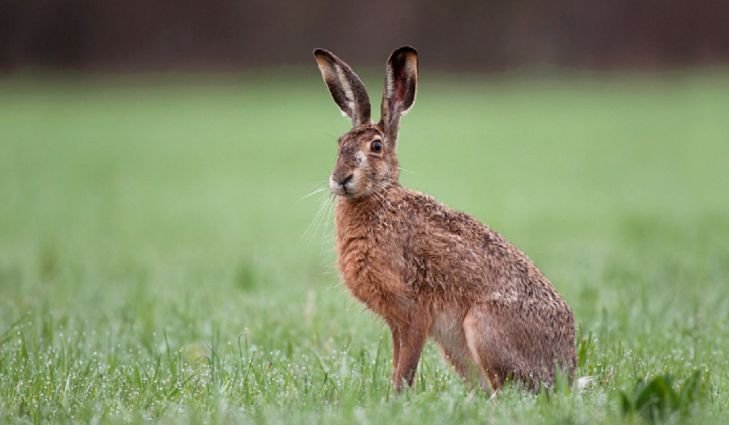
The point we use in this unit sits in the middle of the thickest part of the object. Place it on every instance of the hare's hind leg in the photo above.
(489, 347)
(447, 331)
(461, 360)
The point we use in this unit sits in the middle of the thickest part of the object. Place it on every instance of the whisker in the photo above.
(313, 192)
(314, 225)
(410, 171)
(323, 219)
(329, 228)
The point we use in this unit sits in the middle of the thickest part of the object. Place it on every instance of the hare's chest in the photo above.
(370, 275)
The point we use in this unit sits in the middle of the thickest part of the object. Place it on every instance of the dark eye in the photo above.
(376, 146)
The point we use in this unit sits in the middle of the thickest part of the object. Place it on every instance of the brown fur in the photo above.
(430, 271)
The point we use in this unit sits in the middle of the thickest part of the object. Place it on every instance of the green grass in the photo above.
(155, 262)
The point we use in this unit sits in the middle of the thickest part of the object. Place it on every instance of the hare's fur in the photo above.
(432, 271)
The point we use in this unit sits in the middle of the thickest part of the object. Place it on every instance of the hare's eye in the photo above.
(376, 146)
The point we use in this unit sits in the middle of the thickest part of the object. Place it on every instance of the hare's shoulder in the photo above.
(459, 236)
(427, 212)
(423, 206)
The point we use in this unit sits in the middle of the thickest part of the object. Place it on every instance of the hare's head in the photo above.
(367, 161)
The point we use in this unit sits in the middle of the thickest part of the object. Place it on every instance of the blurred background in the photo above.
(138, 35)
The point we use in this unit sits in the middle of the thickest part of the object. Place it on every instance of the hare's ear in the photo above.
(401, 83)
(347, 90)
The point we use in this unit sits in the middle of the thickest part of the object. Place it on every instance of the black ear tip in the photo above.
(402, 55)
(405, 50)
(322, 52)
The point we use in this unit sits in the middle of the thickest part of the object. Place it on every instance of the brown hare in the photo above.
(426, 269)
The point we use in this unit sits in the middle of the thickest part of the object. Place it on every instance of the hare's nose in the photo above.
(346, 180)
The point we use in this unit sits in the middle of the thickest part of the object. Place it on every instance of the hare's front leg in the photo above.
(395, 348)
(412, 336)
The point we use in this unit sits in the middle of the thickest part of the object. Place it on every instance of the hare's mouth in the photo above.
(346, 192)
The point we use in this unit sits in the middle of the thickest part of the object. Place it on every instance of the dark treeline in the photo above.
(458, 34)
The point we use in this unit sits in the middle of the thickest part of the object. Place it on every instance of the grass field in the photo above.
(160, 261)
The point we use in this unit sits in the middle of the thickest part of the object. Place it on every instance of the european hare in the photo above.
(429, 270)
